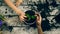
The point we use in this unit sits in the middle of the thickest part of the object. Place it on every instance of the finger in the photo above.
(39, 21)
(21, 18)
(37, 15)
(18, 2)
(36, 12)
(38, 18)
(25, 16)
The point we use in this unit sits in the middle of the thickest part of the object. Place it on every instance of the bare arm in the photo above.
(18, 2)
(38, 23)
(39, 27)
(10, 4)
(39, 30)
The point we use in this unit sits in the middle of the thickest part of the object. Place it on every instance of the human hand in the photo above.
(38, 19)
(22, 16)
(18, 2)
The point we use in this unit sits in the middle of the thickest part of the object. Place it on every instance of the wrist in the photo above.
(18, 11)
(38, 25)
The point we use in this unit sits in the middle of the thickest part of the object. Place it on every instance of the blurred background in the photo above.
(49, 10)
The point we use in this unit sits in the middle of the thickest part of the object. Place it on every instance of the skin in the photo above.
(18, 11)
(38, 23)
(22, 14)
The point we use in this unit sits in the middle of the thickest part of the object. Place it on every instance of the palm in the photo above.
(39, 19)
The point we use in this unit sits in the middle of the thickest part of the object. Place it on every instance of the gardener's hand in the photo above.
(38, 19)
(22, 16)
(19, 2)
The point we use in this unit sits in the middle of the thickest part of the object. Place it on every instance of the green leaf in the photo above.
(1, 17)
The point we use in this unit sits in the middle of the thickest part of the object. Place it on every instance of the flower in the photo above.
(0, 23)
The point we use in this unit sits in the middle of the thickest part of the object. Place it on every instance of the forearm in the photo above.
(39, 25)
(39, 30)
(10, 4)
(18, 2)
